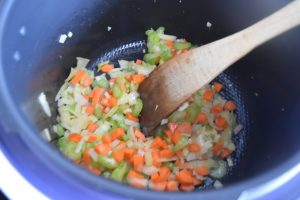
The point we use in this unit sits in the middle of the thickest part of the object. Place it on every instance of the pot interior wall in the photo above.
(266, 80)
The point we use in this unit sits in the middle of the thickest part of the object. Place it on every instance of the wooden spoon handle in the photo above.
(172, 83)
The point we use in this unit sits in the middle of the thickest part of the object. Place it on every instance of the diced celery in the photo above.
(183, 142)
(61, 143)
(107, 162)
(98, 112)
(160, 30)
(169, 165)
(166, 55)
(133, 87)
(182, 45)
(117, 91)
(102, 83)
(151, 58)
(69, 150)
(71, 107)
(60, 130)
(137, 108)
(127, 85)
(119, 172)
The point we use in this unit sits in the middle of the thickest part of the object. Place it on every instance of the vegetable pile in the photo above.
(99, 127)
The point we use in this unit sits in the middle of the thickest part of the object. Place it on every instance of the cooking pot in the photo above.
(35, 58)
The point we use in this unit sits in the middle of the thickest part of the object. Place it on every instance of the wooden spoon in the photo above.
(174, 82)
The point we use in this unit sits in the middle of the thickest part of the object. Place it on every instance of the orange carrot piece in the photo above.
(94, 170)
(155, 158)
(104, 102)
(118, 155)
(172, 186)
(202, 171)
(138, 162)
(92, 138)
(225, 153)
(102, 149)
(130, 116)
(77, 77)
(217, 148)
(92, 127)
(218, 86)
(86, 81)
(139, 135)
(128, 152)
(138, 62)
(184, 127)
(201, 118)
(112, 101)
(216, 109)
(123, 87)
(176, 137)
(221, 122)
(97, 93)
(117, 133)
(164, 173)
(168, 133)
(128, 78)
(106, 139)
(74, 137)
(135, 175)
(184, 177)
(86, 158)
(187, 187)
(169, 43)
(208, 95)
(166, 153)
(89, 110)
(138, 78)
(106, 68)
(178, 153)
(230, 106)
(197, 181)
(161, 186)
(194, 147)
(159, 143)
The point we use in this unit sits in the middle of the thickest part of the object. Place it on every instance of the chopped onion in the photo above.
(164, 121)
(79, 146)
(115, 143)
(93, 154)
(131, 123)
(238, 129)
(218, 184)
(166, 37)
(229, 162)
(183, 106)
(148, 170)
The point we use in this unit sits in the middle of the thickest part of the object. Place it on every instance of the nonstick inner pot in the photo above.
(263, 83)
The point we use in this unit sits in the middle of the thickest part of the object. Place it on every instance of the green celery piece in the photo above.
(166, 55)
(98, 112)
(153, 38)
(183, 142)
(137, 108)
(107, 162)
(117, 91)
(102, 83)
(61, 143)
(193, 111)
(176, 117)
(133, 87)
(150, 58)
(160, 30)
(127, 85)
(182, 45)
(69, 150)
(119, 172)
(60, 130)
(169, 165)
(71, 107)
(111, 112)
(121, 80)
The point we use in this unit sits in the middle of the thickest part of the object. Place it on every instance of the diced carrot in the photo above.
(86, 81)
(138, 162)
(92, 127)
(187, 187)
(104, 102)
(130, 116)
(166, 153)
(208, 95)
(155, 178)
(139, 135)
(225, 153)
(201, 118)
(230, 106)
(202, 171)
(172, 126)
(178, 153)
(86, 158)
(138, 62)
(218, 86)
(77, 161)
(194, 147)
(102, 149)
(168, 133)
(112, 101)
(159, 143)
(74, 137)
(123, 87)
(128, 78)
(184, 177)
(164, 173)
(89, 110)
(216, 109)
(117, 133)
(77, 77)
(118, 155)
(217, 148)
(221, 122)
(161, 186)
(107, 68)
(176, 137)
(177, 162)
(94, 170)
(106, 139)
(184, 127)
(138, 78)
(92, 138)
(155, 158)
(97, 93)
(170, 44)
(197, 181)
(135, 175)
(128, 152)
(172, 186)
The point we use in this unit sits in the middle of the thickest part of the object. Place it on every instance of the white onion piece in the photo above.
(164, 121)
(114, 143)
(93, 154)
(183, 106)
(148, 170)
(238, 129)
(131, 123)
